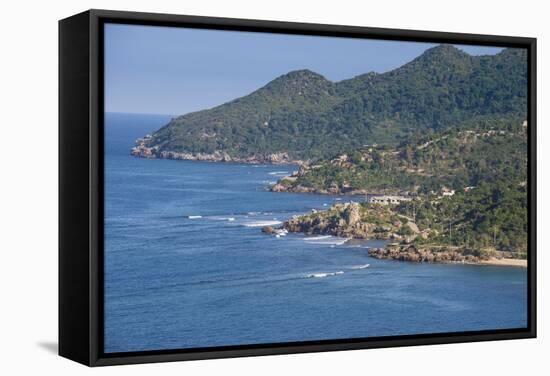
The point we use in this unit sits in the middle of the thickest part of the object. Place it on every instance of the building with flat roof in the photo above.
(387, 199)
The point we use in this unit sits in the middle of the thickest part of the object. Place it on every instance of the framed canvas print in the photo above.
(239, 187)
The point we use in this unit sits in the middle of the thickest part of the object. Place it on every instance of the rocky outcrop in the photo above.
(292, 184)
(349, 220)
(442, 254)
(278, 232)
(280, 186)
(351, 214)
(268, 230)
(142, 150)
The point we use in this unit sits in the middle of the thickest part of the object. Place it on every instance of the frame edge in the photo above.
(94, 356)
(74, 251)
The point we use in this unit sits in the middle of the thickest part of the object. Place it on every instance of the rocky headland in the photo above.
(431, 253)
(367, 221)
(355, 220)
(143, 151)
(295, 182)
(445, 254)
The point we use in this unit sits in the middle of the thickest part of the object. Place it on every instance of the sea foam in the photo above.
(279, 173)
(261, 223)
(311, 238)
(326, 240)
(323, 275)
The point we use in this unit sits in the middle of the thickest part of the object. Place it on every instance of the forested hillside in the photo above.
(309, 117)
(486, 151)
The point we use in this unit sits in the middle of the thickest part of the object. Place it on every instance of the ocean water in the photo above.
(186, 264)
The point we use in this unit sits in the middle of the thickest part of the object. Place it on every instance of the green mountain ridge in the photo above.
(308, 117)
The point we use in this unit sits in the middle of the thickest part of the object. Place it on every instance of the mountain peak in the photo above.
(299, 82)
(302, 76)
(444, 56)
(444, 52)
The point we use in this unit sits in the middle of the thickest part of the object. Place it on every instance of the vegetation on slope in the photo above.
(492, 215)
(486, 168)
(311, 118)
(486, 152)
(487, 218)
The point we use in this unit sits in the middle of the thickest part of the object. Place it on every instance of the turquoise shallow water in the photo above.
(186, 264)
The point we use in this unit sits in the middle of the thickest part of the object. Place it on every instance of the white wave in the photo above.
(194, 216)
(279, 173)
(281, 232)
(221, 218)
(326, 240)
(318, 237)
(323, 275)
(360, 266)
(261, 223)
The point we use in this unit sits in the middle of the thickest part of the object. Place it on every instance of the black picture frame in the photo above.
(81, 186)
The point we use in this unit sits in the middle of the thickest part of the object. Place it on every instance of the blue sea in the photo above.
(186, 263)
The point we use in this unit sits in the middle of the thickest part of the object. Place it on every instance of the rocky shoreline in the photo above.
(141, 150)
(356, 221)
(293, 183)
(445, 254)
(288, 184)
(279, 187)
(440, 254)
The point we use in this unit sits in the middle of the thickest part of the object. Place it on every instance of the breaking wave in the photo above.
(326, 240)
(261, 223)
(323, 275)
(312, 238)
(279, 173)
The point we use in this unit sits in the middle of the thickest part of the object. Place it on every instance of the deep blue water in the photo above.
(177, 282)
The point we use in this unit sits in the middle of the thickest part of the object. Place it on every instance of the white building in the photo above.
(446, 192)
(387, 200)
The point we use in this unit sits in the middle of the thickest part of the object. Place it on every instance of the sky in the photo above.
(173, 71)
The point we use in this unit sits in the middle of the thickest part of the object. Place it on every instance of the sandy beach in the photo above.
(505, 262)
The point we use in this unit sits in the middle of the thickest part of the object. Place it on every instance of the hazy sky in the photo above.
(166, 70)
